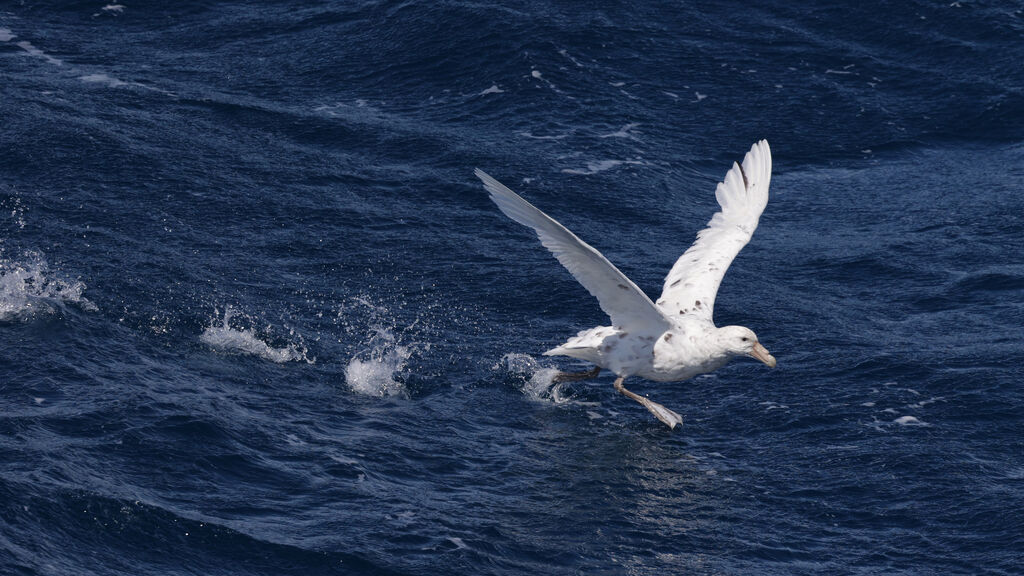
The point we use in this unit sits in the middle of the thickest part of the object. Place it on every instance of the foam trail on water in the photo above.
(600, 166)
(224, 338)
(538, 381)
(102, 79)
(36, 52)
(372, 372)
(30, 287)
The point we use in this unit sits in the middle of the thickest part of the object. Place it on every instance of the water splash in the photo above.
(372, 371)
(381, 345)
(224, 338)
(14, 207)
(537, 381)
(29, 288)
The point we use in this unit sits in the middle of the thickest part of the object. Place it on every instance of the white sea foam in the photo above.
(538, 382)
(571, 59)
(224, 338)
(492, 90)
(373, 371)
(33, 51)
(357, 110)
(111, 82)
(599, 166)
(535, 137)
(102, 79)
(845, 70)
(537, 75)
(924, 403)
(458, 542)
(623, 132)
(909, 421)
(95, 78)
(28, 288)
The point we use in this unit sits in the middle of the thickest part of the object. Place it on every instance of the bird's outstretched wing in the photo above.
(692, 284)
(626, 305)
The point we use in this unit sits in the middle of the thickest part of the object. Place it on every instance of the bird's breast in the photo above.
(679, 355)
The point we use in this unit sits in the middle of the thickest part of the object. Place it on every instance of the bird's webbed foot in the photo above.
(670, 418)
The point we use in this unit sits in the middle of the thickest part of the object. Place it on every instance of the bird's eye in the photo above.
(745, 339)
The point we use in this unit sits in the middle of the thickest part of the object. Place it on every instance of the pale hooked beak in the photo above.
(761, 353)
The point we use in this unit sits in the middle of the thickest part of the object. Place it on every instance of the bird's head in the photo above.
(742, 341)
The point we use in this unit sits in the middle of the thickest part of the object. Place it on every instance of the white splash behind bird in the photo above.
(675, 338)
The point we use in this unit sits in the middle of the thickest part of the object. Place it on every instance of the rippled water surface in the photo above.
(258, 317)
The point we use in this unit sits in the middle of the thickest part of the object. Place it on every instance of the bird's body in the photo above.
(675, 338)
(679, 353)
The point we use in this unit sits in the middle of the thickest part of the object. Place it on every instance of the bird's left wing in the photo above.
(624, 302)
(692, 284)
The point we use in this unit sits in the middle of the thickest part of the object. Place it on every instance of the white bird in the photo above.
(675, 338)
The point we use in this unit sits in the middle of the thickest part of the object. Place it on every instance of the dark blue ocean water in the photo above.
(258, 317)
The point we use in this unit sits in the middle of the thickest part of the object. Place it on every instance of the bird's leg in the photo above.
(576, 376)
(660, 412)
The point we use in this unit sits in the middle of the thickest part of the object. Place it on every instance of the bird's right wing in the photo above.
(627, 306)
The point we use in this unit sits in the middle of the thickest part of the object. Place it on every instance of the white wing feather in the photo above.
(621, 299)
(692, 284)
